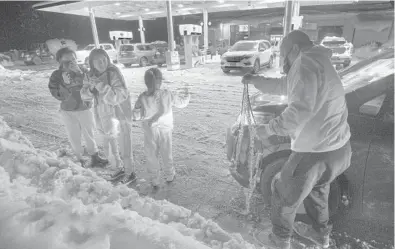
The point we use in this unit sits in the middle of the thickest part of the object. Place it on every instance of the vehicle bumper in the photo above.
(128, 60)
(340, 59)
(159, 60)
(244, 64)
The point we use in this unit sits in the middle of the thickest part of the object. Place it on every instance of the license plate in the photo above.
(232, 64)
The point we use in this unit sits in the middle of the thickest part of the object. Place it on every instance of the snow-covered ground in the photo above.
(79, 209)
(51, 203)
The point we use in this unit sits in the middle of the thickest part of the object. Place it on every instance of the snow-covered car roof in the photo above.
(334, 38)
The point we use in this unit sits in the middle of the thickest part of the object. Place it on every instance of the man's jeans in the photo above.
(306, 177)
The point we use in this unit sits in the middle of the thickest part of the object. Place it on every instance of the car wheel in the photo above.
(37, 60)
(274, 167)
(257, 66)
(226, 71)
(127, 65)
(143, 62)
(270, 65)
(115, 61)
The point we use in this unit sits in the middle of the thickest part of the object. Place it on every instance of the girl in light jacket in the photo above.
(106, 86)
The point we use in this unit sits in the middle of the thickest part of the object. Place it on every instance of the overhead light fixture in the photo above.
(180, 5)
(221, 1)
(225, 5)
(117, 4)
(187, 9)
(129, 15)
(146, 9)
(153, 12)
(118, 13)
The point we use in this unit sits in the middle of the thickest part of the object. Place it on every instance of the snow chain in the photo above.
(253, 157)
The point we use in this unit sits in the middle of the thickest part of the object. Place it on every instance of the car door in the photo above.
(110, 51)
(378, 185)
(264, 53)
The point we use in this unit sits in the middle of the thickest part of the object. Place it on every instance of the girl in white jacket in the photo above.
(154, 108)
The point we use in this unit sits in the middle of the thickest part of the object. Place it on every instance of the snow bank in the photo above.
(46, 202)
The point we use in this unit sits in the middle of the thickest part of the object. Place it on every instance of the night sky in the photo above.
(20, 26)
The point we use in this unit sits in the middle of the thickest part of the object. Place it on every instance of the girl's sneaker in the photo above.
(129, 179)
(118, 175)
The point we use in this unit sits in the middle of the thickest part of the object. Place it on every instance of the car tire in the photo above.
(226, 71)
(143, 62)
(127, 65)
(257, 67)
(37, 60)
(270, 65)
(274, 167)
(115, 61)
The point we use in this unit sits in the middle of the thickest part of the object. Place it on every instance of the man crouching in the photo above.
(316, 122)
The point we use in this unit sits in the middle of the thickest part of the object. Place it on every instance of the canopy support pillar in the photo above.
(205, 29)
(170, 29)
(93, 26)
(288, 17)
(141, 28)
(172, 58)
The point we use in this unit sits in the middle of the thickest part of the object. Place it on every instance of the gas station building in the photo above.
(225, 15)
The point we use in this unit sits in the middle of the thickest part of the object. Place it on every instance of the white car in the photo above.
(83, 55)
(341, 50)
(251, 55)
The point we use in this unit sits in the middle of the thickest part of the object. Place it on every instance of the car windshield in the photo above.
(333, 43)
(89, 47)
(245, 46)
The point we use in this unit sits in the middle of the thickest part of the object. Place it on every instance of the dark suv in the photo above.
(365, 192)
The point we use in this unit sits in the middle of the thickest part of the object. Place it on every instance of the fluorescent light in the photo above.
(146, 9)
(225, 5)
(127, 15)
(117, 4)
(153, 12)
(118, 13)
(180, 5)
(221, 1)
(186, 9)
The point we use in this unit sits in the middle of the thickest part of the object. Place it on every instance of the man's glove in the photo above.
(263, 131)
(247, 78)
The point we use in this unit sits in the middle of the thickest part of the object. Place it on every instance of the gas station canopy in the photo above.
(132, 10)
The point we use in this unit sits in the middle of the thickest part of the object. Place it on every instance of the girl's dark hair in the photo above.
(63, 51)
(151, 75)
(95, 52)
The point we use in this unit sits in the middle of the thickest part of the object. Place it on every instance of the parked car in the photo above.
(142, 54)
(160, 54)
(365, 192)
(250, 55)
(341, 49)
(83, 55)
(37, 54)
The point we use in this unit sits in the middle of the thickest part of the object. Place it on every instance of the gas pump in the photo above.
(191, 34)
(121, 37)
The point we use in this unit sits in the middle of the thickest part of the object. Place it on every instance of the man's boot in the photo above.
(309, 233)
(97, 161)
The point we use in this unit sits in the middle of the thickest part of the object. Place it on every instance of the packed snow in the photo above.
(48, 202)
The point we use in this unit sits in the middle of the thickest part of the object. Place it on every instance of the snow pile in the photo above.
(46, 202)
(21, 75)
